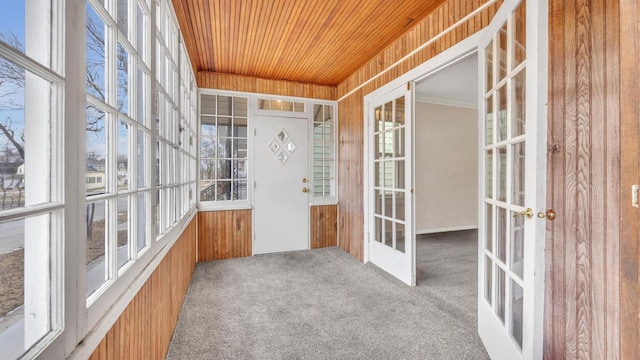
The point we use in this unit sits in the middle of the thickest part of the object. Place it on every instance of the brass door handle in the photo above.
(304, 190)
(528, 213)
(304, 180)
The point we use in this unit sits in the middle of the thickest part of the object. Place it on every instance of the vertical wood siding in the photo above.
(219, 81)
(351, 112)
(145, 328)
(323, 221)
(630, 158)
(224, 234)
(582, 319)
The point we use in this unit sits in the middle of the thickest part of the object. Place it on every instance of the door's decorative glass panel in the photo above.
(282, 135)
(516, 312)
(500, 293)
(282, 157)
(291, 147)
(274, 146)
(517, 245)
(282, 146)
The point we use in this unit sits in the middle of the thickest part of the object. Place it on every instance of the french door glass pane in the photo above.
(398, 141)
(387, 115)
(399, 120)
(489, 228)
(378, 235)
(488, 279)
(489, 174)
(516, 312)
(520, 34)
(502, 113)
(502, 53)
(500, 293)
(517, 173)
(501, 234)
(400, 237)
(399, 205)
(489, 67)
(517, 245)
(489, 121)
(399, 174)
(518, 120)
(378, 119)
(388, 233)
(501, 174)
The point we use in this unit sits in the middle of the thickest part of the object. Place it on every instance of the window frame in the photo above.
(252, 112)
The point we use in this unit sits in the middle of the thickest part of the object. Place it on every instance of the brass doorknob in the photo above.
(528, 213)
(549, 214)
(304, 190)
(304, 180)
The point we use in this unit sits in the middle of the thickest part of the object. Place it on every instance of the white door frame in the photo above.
(536, 73)
(461, 50)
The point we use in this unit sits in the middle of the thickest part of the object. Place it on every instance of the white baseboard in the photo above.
(447, 229)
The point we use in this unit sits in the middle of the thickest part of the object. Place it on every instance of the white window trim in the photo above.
(252, 112)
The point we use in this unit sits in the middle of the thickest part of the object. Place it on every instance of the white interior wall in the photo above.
(446, 175)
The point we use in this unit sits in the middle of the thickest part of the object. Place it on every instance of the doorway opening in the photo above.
(446, 185)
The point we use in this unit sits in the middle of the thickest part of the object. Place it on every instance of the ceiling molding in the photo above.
(446, 101)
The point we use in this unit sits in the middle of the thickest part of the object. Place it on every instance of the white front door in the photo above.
(391, 241)
(281, 201)
(512, 146)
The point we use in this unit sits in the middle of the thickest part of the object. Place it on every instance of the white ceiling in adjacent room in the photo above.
(454, 85)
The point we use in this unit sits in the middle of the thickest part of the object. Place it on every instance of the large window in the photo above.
(223, 148)
(118, 135)
(175, 114)
(31, 204)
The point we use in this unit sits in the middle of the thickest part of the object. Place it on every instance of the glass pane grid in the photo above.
(504, 177)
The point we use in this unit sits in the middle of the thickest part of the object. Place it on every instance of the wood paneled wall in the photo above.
(324, 226)
(219, 81)
(224, 234)
(430, 27)
(351, 112)
(145, 328)
(582, 319)
(630, 159)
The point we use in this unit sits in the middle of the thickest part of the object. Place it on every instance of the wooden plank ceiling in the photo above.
(311, 41)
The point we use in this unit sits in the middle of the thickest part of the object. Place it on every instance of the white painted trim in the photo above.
(418, 49)
(102, 327)
(425, 99)
(447, 229)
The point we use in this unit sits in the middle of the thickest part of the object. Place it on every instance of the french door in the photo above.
(512, 171)
(391, 242)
